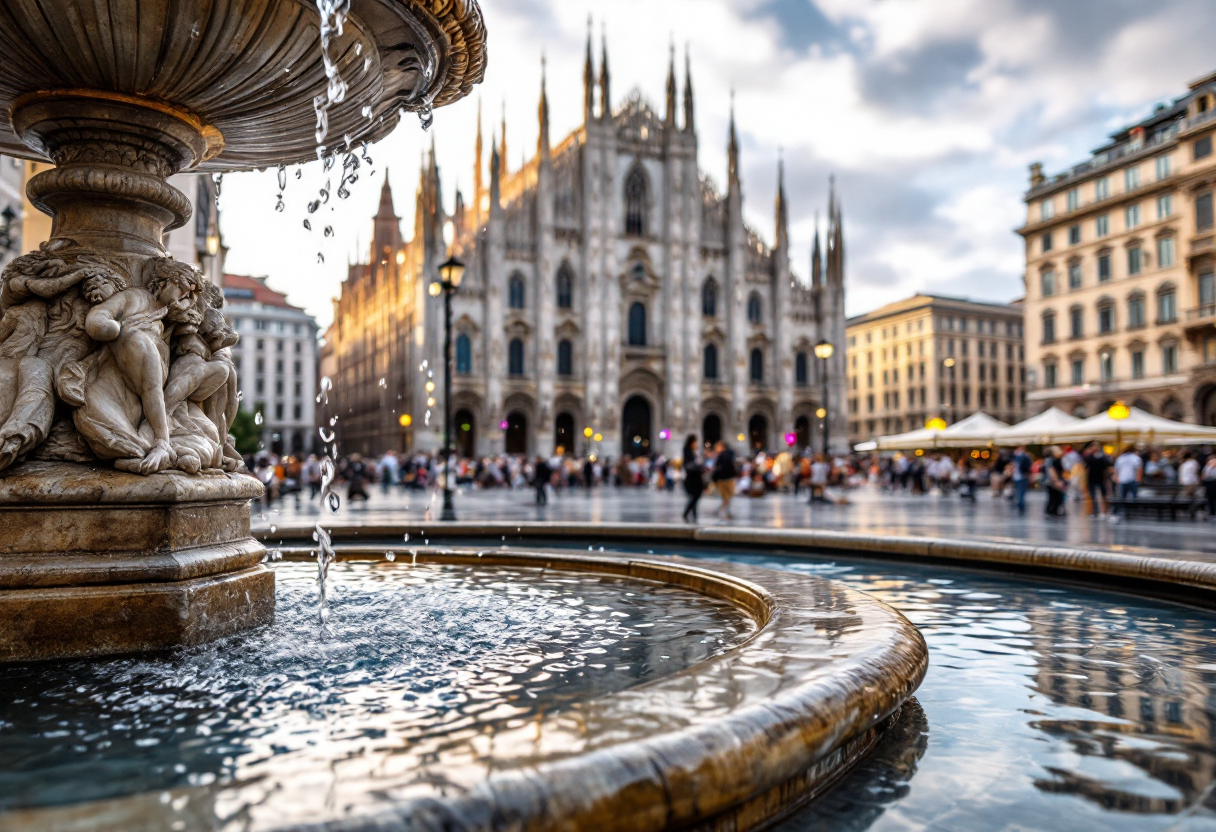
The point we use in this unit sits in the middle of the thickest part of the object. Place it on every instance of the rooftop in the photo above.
(924, 299)
(239, 288)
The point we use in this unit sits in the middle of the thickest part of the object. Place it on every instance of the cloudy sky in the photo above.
(926, 111)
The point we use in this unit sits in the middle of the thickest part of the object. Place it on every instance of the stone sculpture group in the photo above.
(98, 364)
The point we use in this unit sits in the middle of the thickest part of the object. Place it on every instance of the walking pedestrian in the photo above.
(694, 478)
(724, 474)
(1053, 478)
(310, 472)
(356, 475)
(1129, 468)
(541, 474)
(1097, 472)
(1021, 465)
(1209, 484)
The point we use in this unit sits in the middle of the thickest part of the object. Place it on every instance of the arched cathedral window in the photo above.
(800, 370)
(635, 203)
(515, 357)
(515, 291)
(637, 325)
(757, 366)
(565, 287)
(755, 311)
(709, 298)
(565, 358)
(711, 362)
(464, 354)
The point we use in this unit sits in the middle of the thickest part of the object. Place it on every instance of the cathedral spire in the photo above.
(689, 123)
(605, 93)
(478, 181)
(733, 147)
(542, 141)
(670, 120)
(386, 210)
(502, 148)
(816, 257)
(495, 177)
(588, 80)
(783, 223)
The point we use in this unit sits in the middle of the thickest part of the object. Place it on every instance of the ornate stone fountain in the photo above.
(123, 503)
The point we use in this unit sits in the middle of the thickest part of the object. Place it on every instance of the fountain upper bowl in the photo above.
(244, 73)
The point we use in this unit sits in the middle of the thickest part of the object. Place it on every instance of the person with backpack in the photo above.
(724, 474)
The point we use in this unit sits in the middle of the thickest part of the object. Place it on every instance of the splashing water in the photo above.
(326, 386)
(333, 18)
(218, 179)
(257, 418)
(308, 225)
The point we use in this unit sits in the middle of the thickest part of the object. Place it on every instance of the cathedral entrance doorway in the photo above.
(635, 427)
(563, 434)
(757, 432)
(711, 429)
(802, 432)
(464, 433)
(516, 439)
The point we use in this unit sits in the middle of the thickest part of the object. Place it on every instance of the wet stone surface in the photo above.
(432, 659)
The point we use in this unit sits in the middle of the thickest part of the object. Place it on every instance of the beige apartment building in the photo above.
(931, 356)
(1120, 293)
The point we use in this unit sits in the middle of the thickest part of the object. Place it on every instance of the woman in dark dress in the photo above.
(694, 478)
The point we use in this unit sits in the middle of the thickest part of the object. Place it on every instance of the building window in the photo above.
(1165, 206)
(1047, 283)
(710, 356)
(1078, 371)
(565, 358)
(515, 357)
(755, 312)
(261, 365)
(1203, 212)
(1047, 209)
(1103, 267)
(757, 366)
(1049, 327)
(801, 376)
(1137, 364)
(709, 298)
(278, 411)
(515, 291)
(1165, 252)
(1163, 167)
(1207, 289)
(296, 411)
(1131, 179)
(1106, 366)
(1209, 350)
(1167, 307)
(296, 367)
(1133, 260)
(1073, 200)
(1202, 147)
(1106, 318)
(1131, 216)
(1135, 311)
(1102, 225)
(1169, 358)
(1074, 235)
(1101, 188)
(565, 287)
(1076, 322)
(1074, 275)
(635, 203)
(637, 324)
(464, 354)
(1046, 239)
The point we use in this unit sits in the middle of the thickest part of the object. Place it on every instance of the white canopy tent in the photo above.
(1042, 429)
(1139, 426)
(977, 429)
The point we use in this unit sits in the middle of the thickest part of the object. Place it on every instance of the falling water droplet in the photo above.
(299, 172)
(280, 206)
(329, 231)
(326, 436)
(257, 418)
(320, 257)
(426, 116)
(307, 224)
(383, 383)
(219, 186)
(407, 537)
(313, 206)
(333, 421)
(335, 502)
(282, 177)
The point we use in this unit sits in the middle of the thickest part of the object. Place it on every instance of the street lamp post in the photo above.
(450, 273)
(823, 351)
(949, 365)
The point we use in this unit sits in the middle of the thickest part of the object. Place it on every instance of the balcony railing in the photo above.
(1201, 316)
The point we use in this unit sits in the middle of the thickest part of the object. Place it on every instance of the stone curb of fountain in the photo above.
(791, 710)
(1140, 570)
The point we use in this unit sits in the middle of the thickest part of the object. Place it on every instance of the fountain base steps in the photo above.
(97, 562)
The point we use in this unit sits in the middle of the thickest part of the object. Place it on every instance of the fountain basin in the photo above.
(731, 742)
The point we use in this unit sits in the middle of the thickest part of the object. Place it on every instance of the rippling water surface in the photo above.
(1045, 708)
(431, 659)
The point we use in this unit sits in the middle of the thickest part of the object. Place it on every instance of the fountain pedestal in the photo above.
(95, 561)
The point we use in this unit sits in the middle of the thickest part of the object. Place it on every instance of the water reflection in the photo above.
(1050, 708)
(423, 664)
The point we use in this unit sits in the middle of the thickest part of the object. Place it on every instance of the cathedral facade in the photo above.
(611, 288)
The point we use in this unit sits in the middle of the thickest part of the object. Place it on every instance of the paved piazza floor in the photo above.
(869, 511)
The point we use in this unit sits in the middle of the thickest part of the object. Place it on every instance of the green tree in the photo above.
(246, 431)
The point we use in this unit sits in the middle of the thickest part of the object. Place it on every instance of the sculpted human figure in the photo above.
(203, 373)
(41, 328)
(121, 387)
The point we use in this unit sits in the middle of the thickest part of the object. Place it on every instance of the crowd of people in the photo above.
(1089, 476)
